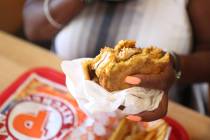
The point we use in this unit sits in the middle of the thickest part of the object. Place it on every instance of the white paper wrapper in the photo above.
(92, 98)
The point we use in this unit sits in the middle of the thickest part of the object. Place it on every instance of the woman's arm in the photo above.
(37, 26)
(196, 67)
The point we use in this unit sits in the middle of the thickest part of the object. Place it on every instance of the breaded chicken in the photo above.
(112, 65)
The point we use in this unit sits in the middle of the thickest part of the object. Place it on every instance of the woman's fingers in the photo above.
(146, 81)
(155, 81)
(150, 81)
(158, 113)
(162, 81)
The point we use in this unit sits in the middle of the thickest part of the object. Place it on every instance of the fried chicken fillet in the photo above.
(112, 65)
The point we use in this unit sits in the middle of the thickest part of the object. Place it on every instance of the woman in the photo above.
(181, 26)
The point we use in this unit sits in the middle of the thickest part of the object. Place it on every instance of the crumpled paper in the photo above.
(93, 99)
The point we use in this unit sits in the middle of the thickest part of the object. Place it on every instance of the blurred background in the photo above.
(11, 20)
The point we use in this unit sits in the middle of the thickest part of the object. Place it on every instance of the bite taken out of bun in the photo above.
(112, 65)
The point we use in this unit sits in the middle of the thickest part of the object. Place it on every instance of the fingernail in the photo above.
(134, 118)
(132, 80)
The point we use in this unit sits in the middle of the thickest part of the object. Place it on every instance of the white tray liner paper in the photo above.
(93, 99)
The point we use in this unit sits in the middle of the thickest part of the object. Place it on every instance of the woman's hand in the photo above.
(162, 81)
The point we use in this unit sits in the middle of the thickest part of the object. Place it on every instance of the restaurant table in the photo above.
(18, 56)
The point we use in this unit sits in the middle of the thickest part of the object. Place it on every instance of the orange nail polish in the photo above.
(132, 80)
(134, 118)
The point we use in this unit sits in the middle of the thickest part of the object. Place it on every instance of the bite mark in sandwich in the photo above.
(112, 65)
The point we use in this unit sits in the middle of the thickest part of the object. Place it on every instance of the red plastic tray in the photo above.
(177, 132)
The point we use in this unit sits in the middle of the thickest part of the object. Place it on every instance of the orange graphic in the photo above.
(31, 125)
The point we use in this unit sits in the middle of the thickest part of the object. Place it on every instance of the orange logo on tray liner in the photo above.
(64, 96)
(31, 125)
(35, 116)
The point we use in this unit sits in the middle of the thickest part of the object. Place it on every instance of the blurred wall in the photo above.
(11, 15)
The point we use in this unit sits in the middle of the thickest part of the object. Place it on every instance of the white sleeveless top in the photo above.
(163, 23)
